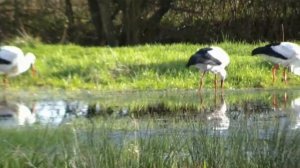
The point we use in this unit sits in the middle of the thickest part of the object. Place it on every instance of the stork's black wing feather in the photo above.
(4, 61)
(203, 57)
(267, 50)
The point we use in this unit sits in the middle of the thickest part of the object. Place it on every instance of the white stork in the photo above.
(286, 54)
(210, 59)
(13, 61)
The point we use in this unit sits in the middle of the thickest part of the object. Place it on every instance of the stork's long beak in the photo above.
(33, 70)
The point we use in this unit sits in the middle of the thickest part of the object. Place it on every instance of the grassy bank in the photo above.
(192, 145)
(141, 67)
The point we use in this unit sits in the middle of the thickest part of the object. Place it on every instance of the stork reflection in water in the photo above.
(295, 105)
(218, 119)
(289, 115)
(15, 114)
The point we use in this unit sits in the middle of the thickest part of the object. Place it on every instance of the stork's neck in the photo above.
(24, 65)
(223, 74)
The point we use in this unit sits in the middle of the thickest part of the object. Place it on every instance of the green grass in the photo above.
(142, 67)
(191, 146)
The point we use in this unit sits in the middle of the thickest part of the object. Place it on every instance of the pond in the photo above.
(254, 128)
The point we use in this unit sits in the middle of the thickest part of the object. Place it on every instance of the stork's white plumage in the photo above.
(286, 54)
(13, 61)
(210, 59)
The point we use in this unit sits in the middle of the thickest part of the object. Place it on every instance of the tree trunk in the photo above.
(17, 17)
(70, 15)
(68, 27)
(163, 9)
(132, 12)
(107, 23)
(151, 27)
(96, 18)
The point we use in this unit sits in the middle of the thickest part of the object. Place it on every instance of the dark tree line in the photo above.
(129, 22)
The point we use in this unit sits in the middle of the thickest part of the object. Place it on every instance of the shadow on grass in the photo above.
(124, 71)
(90, 74)
(172, 68)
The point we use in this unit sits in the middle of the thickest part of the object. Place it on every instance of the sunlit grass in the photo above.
(141, 67)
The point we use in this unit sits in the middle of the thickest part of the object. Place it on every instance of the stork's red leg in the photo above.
(201, 80)
(285, 75)
(274, 69)
(33, 70)
(215, 82)
(5, 81)
(222, 84)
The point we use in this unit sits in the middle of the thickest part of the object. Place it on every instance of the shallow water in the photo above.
(217, 111)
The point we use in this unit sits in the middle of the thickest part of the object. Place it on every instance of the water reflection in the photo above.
(218, 118)
(50, 112)
(296, 108)
(45, 112)
(218, 111)
(289, 115)
(14, 114)
(56, 112)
